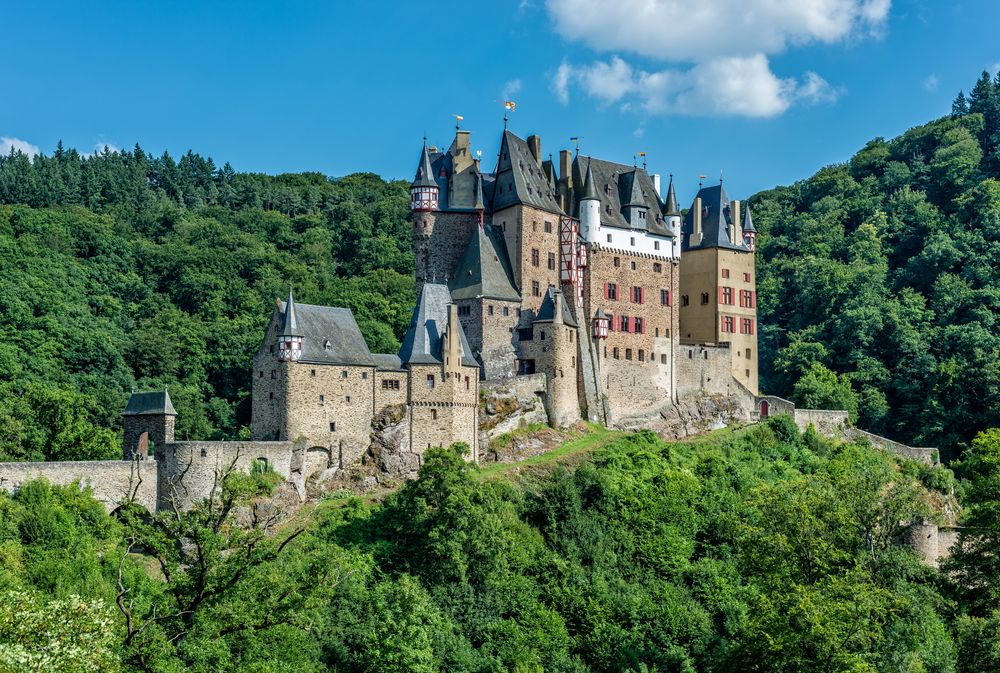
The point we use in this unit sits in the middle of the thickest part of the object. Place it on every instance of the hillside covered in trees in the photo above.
(756, 550)
(122, 270)
(878, 281)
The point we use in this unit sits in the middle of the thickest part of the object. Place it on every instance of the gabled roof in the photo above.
(150, 404)
(424, 339)
(547, 311)
(330, 335)
(425, 171)
(715, 221)
(617, 186)
(520, 180)
(485, 270)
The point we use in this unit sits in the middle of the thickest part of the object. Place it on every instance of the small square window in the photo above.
(633, 265)
(322, 398)
(617, 262)
(364, 376)
(609, 238)
(348, 399)
(506, 311)
(343, 374)
(333, 426)
(430, 381)
(312, 373)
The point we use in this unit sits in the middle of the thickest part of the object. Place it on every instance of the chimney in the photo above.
(452, 341)
(696, 236)
(656, 183)
(557, 316)
(734, 212)
(535, 145)
(461, 143)
(566, 167)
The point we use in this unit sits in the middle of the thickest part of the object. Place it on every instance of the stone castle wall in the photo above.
(491, 329)
(637, 369)
(268, 417)
(554, 350)
(112, 481)
(439, 240)
(446, 412)
(704, 368)
(189, 470)
(524, 231)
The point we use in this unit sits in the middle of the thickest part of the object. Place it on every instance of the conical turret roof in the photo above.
(289, 323)
(670, 207)
(425, 173)
(747, 220)
(589, 188)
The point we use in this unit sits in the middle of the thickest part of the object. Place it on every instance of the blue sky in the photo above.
(767, 94)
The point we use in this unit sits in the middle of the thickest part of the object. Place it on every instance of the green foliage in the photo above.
(878, 291)
(125, 271)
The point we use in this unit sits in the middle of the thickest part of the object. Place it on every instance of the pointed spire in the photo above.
(747, 220)
(425, 173)
(289, 324)
(589, 188)
(670, 208)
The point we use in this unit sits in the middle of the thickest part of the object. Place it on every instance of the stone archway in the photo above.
(317, 459)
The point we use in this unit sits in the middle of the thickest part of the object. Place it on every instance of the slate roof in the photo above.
(150, 404)
(747, 219)
(715, 221)
(425, 171)
(485, 269)
(289, 323)
(330, 335)
(423, 341)
(618, 186)
(670, 207)
(520, 180)
(387, 362)
(547, 313)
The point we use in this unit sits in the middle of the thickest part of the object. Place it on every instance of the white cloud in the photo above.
(719, 49)
(930, 83)
(510, 88)
(697, 30)
(18, 145)
(728, 86)
(995, 68)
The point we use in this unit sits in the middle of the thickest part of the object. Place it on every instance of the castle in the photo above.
(585, 282)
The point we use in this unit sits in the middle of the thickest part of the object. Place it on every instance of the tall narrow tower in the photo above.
(149, 422)
(718, 283)
(289, 336)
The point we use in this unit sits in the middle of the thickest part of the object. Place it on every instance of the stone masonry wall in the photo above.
(188, 470)
(267, 406)
(826, 422)
(111, 480)
(331, 406)
(637, 369)
(160, 429)
(704, 368)
(394, 392)
(446, 412)
(439, 240)
(524, 229)
(554, 350)
(490, 329)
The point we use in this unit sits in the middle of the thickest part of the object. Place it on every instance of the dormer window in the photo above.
(327, 346)
(607, 188)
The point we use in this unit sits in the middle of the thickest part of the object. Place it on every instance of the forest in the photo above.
(759, 549)
(123, 271)
(878, 285)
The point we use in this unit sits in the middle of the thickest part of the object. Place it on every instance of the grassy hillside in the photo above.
(753, 550)
(878, 284)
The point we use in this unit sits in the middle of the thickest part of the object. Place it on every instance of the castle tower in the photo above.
(672, 217)
(590, 209)
(749, 231)
(553, 351)
(424, 190)
(149, 421)
(718, 281)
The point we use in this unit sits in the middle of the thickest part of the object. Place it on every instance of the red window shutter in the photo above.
(642, 295)
(720, 295)
(753, 298)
